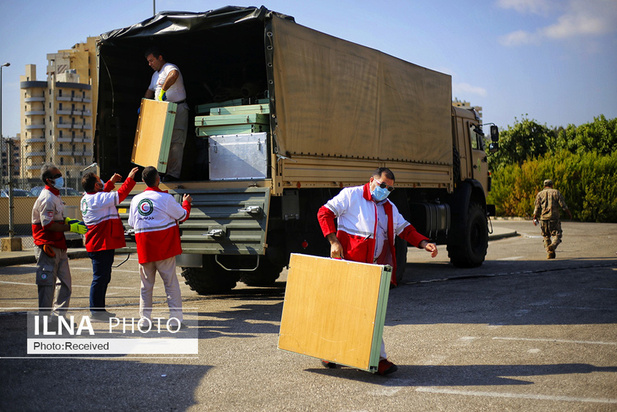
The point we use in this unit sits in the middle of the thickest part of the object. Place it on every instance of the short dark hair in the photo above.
(88, 182)
(46, 171)
(149, 176)
(155, 51)
(381, 170)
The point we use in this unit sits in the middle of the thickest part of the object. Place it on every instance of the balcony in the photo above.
(35, 113)
(34, 154)
(33, 167)
(74, 112)
(34, 99)
(36, 140)
(35, 126)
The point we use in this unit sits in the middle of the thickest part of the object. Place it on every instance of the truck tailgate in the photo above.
(222, 221)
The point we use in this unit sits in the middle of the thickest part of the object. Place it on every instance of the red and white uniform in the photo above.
(155, 215)
(105, 229)
(360, 221)
(48, 208)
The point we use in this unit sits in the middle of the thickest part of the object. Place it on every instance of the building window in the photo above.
(62, 160)
(60, 133)
(59, 92)
(59, 106)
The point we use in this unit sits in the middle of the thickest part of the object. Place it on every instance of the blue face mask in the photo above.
(380, 194)
(58, 182)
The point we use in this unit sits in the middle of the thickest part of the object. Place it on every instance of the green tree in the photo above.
(527, 139)
(599, 136)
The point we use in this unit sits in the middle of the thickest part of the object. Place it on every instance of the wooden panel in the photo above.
(153, 134)
(335, 310)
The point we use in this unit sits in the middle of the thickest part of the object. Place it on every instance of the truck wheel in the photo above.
(206, 281)
(467, 248)
(400, 248)
(265, 275)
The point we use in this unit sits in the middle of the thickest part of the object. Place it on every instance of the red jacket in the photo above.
(105, 229)
(357, 220)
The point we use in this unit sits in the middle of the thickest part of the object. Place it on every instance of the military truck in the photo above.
(286, 116)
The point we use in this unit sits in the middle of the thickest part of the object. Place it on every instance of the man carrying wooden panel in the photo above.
(367, 225)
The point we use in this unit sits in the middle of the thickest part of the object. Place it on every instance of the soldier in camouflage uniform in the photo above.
(546, 210)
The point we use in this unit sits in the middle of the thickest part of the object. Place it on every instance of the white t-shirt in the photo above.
(176, 92)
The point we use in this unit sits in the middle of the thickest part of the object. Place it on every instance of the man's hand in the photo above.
(187, 198)
(429, 247)
(162, 96)
(336, 249)
(76, 226)
(115, 178)
(133, 172)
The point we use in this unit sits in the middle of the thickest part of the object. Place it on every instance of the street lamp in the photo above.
(8, 155)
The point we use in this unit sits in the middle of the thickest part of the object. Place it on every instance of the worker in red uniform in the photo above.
(367, 224)
(155, 215)
(105, 232)
(48, 227)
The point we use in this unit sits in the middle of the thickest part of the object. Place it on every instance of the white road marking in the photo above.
(430, 389)
(512, 258)
(585, 342)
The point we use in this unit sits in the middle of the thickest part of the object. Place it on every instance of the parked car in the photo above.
(64, 191)
(16, 193)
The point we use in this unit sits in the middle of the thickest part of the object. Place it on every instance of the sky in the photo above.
(552, 61)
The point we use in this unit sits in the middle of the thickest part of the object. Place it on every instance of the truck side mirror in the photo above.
(493, 147)
(494, 133)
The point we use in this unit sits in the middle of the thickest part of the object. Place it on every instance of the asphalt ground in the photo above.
(519, 333)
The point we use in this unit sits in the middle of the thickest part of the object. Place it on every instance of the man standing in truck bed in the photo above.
(167, 85)
(367, 224)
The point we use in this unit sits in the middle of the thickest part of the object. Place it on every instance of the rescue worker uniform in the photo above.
(51, 258)
(367, 229)
(547, 205)
(154, 214)
(105, 234)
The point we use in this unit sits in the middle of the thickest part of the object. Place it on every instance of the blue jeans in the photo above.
(101, 276)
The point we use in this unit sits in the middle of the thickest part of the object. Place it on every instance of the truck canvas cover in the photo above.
(328, 97)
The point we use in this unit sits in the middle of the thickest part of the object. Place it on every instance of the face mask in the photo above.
(58, 182)
(380, 194)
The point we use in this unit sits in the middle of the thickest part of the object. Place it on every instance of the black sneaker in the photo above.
(329, 365)
(102, 315)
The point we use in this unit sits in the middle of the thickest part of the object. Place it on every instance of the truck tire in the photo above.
(467, 248)
(265, 275)
(211, 279)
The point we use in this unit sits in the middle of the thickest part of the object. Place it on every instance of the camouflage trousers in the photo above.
(551, 229)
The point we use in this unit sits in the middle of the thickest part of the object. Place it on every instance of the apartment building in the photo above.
(58, 113)
(9, 162)
(57, 123)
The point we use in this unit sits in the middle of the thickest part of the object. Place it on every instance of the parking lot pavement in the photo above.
(518, 333)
